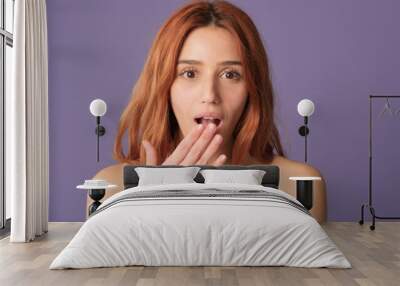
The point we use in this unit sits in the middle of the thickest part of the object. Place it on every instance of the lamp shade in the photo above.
(98, 107)
(305, 107)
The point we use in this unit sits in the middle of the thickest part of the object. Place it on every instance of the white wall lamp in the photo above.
(305, 108)
(98, 108)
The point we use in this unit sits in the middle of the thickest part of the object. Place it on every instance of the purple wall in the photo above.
(333, 52)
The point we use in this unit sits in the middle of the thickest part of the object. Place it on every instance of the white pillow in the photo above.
(249, 177)
(161, 176)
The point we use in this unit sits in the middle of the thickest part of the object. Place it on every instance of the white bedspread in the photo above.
(180, 231)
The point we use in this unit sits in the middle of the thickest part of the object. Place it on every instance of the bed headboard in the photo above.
(270, 179)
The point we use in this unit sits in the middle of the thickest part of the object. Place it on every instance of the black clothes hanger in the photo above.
(387, 108)
(397, 112)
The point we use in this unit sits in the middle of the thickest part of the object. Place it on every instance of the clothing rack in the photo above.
(369, 205)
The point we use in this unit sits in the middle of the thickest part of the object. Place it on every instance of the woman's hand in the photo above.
(194, 149)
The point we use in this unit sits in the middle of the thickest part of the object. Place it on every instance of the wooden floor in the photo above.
(375, 257)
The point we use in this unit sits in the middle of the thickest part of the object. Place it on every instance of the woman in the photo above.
(205, 97)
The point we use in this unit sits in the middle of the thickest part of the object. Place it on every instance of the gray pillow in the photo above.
(161, 176)
(248, 177)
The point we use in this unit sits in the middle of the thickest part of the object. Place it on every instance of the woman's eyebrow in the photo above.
(195, 62)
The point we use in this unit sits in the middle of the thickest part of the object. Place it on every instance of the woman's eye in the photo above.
(232, 75)
(189, 73)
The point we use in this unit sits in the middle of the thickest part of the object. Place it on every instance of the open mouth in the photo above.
(204, 120)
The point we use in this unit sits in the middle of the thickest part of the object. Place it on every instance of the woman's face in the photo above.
(209, 82)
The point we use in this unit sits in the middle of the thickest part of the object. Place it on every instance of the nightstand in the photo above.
(304, 190)
(96, 191)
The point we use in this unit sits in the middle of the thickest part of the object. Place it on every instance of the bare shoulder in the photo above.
(112, 174)
(295, 168)
(110, 170)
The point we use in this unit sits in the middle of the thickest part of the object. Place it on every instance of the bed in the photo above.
(201, 224)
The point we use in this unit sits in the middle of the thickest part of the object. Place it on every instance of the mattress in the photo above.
(201, 225)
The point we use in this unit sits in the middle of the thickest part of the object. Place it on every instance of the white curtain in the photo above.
(27, 152)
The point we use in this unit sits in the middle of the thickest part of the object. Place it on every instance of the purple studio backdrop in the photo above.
(335, 53)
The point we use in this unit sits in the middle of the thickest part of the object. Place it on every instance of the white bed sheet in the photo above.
(200, 231)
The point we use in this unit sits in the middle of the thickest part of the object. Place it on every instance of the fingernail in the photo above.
(211, 126)
(218, 137)
(199, 126)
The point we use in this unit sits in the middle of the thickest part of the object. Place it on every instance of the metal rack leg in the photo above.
(371, 209)
(361, 222)
(374, 216)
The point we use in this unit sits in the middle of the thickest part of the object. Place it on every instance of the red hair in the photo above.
(149, 115)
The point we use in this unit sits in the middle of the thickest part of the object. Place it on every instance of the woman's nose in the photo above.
(210, 92)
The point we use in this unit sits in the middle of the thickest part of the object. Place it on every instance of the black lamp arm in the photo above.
(100, 131)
